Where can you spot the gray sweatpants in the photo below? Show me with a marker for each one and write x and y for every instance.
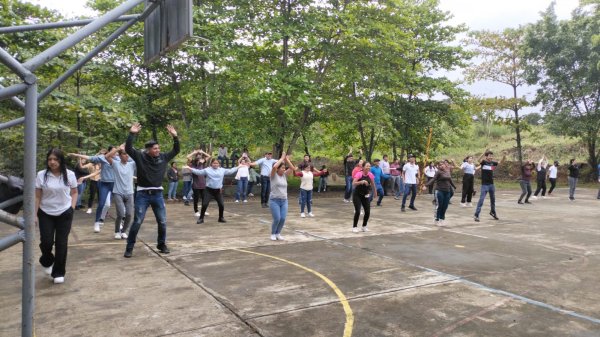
(572, 185)
(124, 206)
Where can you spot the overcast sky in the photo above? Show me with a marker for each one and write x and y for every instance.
(476, 14)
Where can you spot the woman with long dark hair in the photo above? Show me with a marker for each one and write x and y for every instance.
(55, 200)
(443, 192)
(364, 184)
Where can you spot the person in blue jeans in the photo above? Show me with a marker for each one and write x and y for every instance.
(151, 167)
(349, 165)
(173, 175)
(379, 178)
(266, 165)
(278, 200)
(411, 174)
(487, 166)
(443, 192)
(105, 185)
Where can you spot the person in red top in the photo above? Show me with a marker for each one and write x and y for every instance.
(363, 183)
(525, 181)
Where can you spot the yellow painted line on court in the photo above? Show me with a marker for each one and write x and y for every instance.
(348, 326)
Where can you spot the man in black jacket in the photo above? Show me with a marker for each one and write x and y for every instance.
(151, 166)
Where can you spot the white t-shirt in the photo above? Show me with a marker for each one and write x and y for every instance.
(306, 181)
(385, 166)
(468, 168)
(410, 173)
(553, 172)
(56, 196)
(243, 172)
(430, 171)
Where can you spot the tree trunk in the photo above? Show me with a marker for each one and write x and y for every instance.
(278, 148)
(78, 93)
(593, 159)
(517, 127)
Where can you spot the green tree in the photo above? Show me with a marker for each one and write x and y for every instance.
(564, 63)
(500, 59)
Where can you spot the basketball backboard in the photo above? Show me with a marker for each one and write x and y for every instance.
(166, 28)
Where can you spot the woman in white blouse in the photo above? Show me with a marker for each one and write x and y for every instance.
(55, 200)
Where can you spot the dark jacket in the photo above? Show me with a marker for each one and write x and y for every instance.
(150, 170)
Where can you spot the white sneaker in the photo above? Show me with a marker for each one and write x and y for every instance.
(354, 229)
(534, 197)
(117, 236)
(89, 211)
(310, 214)
(365, 229)
(197, 214)
(250, 194)
(124, 235)
(543, 197)
(58, 280)
(279, 237)
(206, 213)
(273, 237)
(245, 200)
(96, 227)
(346, 200)
(237, 201)
(470, 204)
(302, 215)
(462, 204)
(436, 222)
(362, 211)
(48, 270)
(442, 223)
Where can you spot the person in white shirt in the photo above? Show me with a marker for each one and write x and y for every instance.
(384, 164)
(410, 175)
(552, 176)
(430, 171)
(242, 179)
(468, 168)
(55, 200)
(266, 166)
(306, 188)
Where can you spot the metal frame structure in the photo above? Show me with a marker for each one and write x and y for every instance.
(29, 87)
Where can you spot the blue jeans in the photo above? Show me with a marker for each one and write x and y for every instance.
(398, 185)
(380, 193)
(412, 190)
(442, 200)
(187, 188)
(305, 200)
(279, 209)
(222, 160)
(154, 199)
(485, 189)
(242, 184)
(172, 189)
(348, 191)
(322, 184)
(80, 190)
(104, 189)
(265, 189)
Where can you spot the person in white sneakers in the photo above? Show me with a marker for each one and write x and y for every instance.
(363, 183)
(242, 176)
(278, 198)
(443, 191)
(124, 169)
(306, 188)
(410, 175)
(55, 201)
(198, 159)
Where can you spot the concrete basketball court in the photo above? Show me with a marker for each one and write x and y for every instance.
(532, 273)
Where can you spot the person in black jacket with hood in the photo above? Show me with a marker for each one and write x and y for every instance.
(151, 166)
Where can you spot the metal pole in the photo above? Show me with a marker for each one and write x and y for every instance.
(50, 53)
(10, 219)
(11, 240)
(16, 67)
(95, 51)
(29, 170)
(11, 202)
(52, 25)
(12, 123)
(16, 100)
(12, 91)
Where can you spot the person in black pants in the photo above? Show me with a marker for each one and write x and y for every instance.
(541, 177)
(468, 184)
(364, 184)
(55, 201)
(552, 176)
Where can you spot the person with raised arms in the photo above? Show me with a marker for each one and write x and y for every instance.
(364, 185)
(278, 201)
(214, 185)
(487, 166)
(151, 167)
(124, 169)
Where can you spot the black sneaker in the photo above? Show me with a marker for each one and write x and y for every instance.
(265, 206)
(403, 209)
(200, 220)
(494, 216)
(128, 253)
(413, 208)
(476, 219)
(222, 220)
(520, 202)
(527, 202)
(163, 249)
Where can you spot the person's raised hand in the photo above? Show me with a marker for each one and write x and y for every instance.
(172, 130)
(135, 128)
